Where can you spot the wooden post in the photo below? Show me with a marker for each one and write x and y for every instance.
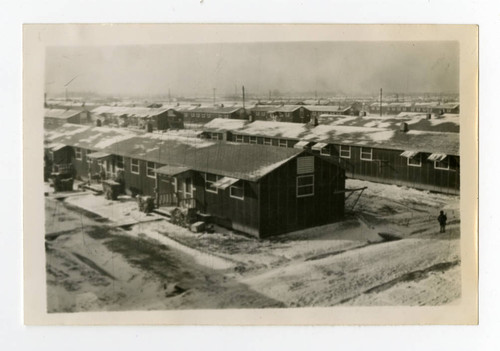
(380, 102)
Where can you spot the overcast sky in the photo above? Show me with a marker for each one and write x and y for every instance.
(194, 70)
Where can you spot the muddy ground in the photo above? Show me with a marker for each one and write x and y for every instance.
(94, 265)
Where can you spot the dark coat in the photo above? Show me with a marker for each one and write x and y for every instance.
(442, 219)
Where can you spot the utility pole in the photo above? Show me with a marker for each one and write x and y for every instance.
(380, 102)
(243, 90)
(169, 97)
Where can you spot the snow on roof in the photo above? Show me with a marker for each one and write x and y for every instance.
(411, 114)
(265, 169)
(417, 121)
(216, 109)
(224, 124)
(264, 108)
(403, 104)
(378, 104)
(60, 113)
(287, 108)
(328, 108)
(350, 134)
(67, 129)
(275, 129)
(87, 136)
(451, 105)
(388, 137)
(141, 112)
(242, 161)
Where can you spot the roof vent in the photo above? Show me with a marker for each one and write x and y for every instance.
(404, 127)
(428, 116)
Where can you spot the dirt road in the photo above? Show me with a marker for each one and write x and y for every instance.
(94, 267)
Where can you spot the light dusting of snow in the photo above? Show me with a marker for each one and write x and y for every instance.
(262, 171)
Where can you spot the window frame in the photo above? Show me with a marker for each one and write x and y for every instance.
(282, 140)
(132, 165)
(148, 168)
(297, 186)
(412, 158)
(328, 151)
(442, 168)
(361, 154)
(216, 191)
(238, 138)
(78, 150)
(242, 187)
(349, 151)
(252, 140)
(267, 141)
(117, 157)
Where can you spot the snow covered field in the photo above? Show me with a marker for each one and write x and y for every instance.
(93, 265)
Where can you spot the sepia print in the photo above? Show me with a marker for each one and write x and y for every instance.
(278, 174)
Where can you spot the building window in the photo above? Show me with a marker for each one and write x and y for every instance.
(444, 164)
(268, 141)
(282, 143)
(216, 136)
(210, 179)
(134, 166)
(325, 151)
(366, 153)
(150, 169)
(414, 161)
(119, 162)
(237, 191)
(345, 151)
(305, 185)
(305, 164)
(239, 138)
(253, 140)
(78, 153)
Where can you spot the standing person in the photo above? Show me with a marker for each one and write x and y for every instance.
(442, 222)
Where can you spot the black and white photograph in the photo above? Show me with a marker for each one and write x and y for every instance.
(252, 175)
